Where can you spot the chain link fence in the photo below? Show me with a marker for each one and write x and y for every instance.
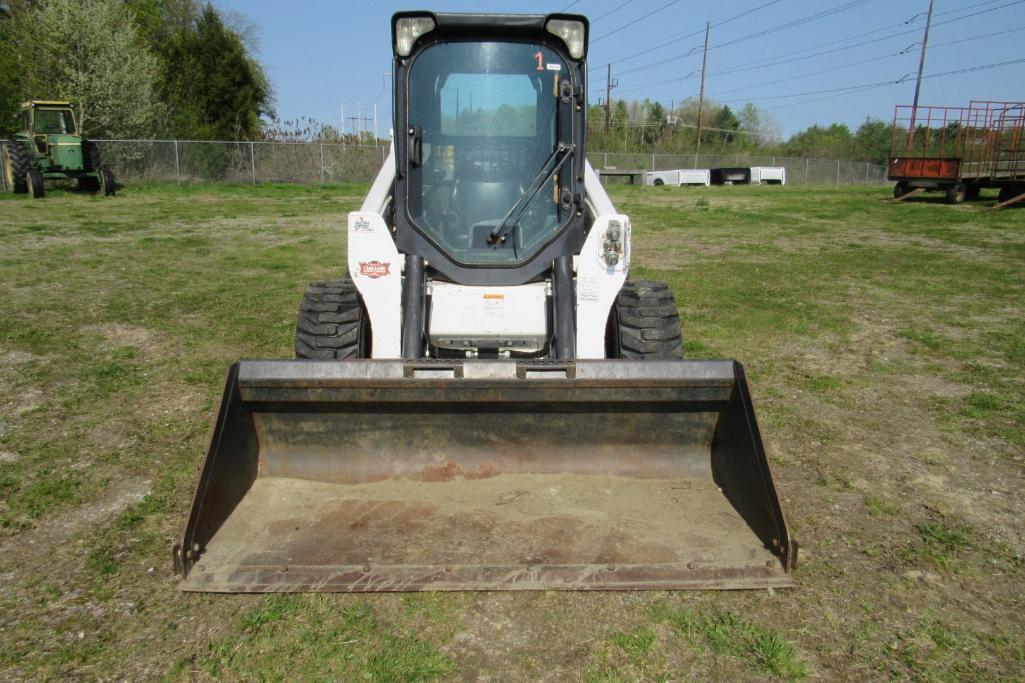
(190, 161)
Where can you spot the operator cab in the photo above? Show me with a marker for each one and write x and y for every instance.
(53, 121)
(489, 173)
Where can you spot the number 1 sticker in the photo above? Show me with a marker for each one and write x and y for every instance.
(540, 60)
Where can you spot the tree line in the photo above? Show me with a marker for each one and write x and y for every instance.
(651, 127)
(134, 68)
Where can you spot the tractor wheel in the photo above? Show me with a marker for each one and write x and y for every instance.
(34, 180)
(89, 184)
(107, 184)
(972, 192)
(900, 189)
(658, 181)
(333, 323)
(644, 323)
(16, 166)
(91, 155)
(956, 194)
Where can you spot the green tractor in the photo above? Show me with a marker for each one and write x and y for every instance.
(50, 147)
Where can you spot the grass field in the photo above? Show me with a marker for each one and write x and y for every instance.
(886, 351)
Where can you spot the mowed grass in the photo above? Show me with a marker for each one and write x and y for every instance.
(885, 347)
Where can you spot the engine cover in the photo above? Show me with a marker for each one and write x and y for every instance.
(502, 319)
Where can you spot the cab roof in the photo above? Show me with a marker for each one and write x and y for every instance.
(45, 103)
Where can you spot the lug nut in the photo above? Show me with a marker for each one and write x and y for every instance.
(614, 233)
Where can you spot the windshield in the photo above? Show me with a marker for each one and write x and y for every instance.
(486, 113)
(54, 121)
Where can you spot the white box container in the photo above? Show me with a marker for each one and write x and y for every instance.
(770, 175)
(678, 177)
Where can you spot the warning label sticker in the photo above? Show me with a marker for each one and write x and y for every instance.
(587, 289)
(494, 305)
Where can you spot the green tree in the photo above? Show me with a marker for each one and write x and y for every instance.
(872, 141)
(656, 123)
(834, 142)
(728, 123)
(92, 54)
(214, 89)
(10, 84)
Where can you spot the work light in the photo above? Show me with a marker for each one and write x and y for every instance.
(571, 32)
(407, 30)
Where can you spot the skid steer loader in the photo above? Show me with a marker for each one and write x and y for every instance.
(486, 401)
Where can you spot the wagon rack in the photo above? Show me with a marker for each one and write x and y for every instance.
(959, 151)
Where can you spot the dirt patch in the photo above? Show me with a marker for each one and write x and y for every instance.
(122, 493)
(121, 334)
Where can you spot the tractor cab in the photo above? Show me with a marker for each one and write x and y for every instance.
(52, 130)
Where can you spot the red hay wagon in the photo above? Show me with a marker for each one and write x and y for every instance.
(959, 150)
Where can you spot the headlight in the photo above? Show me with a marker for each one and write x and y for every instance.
(407, 30)
(571, 32)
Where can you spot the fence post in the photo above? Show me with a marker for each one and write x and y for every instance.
(695, 161)
(807, 169)
(3, 176)
(773, 161)
(652, 162)
(866, 173)
(177, 166)
(383, 155)
(322, 163)
(838, 173)
(252, 160)
(606, 165)
(736, 159)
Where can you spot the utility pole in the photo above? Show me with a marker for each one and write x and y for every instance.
(608, 93)
(701, 97)
(921, 67)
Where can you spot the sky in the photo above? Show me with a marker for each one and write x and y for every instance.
(817, 61)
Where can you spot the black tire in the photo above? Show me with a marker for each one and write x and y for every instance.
(972, 192)
(644, 323)
(19, 164)
(1009, 192)
(955, 194)
(91, 155)
(89, 184)
(658, 181)
(107, 184)
(900, 189)
(34, 178)
(333, 323)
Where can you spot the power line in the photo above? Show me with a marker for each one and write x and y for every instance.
(779, 60)
(631, 23)
(611, 11)
(883, 84)
(796, 22)
(848, 65)
(698, 32)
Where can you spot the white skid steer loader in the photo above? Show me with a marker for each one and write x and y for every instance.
(486, 401)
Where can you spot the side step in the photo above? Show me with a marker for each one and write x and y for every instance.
(381, 475)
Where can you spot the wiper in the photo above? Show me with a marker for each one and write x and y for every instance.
(555, 161)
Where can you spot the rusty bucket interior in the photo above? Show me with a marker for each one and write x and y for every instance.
(385, 475)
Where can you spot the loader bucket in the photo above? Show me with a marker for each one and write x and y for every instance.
(385, 475)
